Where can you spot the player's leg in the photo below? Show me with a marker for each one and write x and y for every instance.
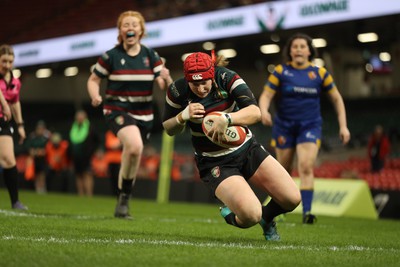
(273, 179)
(284, 142)
(10, 173)
(307, 154)
(285, 157)
(238, 196)
(79, 184)
(132, 148)
(88, 183)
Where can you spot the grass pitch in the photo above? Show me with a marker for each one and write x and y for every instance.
(66, 230)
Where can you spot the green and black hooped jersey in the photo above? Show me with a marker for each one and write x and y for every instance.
(130, 81)
(231, 95)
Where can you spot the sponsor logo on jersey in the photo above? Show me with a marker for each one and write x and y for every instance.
(309, 135)
(287, 73)
(305, 90)
(223, 75)
(174, 90)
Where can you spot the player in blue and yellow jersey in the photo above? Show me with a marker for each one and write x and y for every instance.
(209, 86)
(297, 124)
(131, 69)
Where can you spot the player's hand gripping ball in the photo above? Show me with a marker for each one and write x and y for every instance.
(235, 135)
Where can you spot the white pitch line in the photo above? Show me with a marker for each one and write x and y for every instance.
(270, 246)
(36, 215)
(87, 217)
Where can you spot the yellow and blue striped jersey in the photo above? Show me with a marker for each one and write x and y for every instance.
(299, 90)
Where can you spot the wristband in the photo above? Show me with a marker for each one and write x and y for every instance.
(20, 124)
(228, 118)
(185, 114)
(178, 121)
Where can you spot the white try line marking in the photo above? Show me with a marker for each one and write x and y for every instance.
(271, 245)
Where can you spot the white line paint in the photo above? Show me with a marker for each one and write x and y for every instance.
(37, 215)
(87, 217)
(270, 246)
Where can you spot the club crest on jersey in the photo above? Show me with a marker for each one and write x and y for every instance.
(146, 61)
(312, 75)
(119, 120)
(220, 94)
(122, 61)
(215, 172)
(281, 140)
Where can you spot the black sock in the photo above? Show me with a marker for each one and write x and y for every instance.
(11, 182)
(127, 185)
(271, 210)
(231, 219)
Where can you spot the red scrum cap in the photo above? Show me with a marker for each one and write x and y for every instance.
(198, 67)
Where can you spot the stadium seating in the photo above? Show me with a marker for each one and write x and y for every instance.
(359, 168)
(43, 19)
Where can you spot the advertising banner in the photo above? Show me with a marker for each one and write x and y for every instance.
(342, 198)
(239, 21)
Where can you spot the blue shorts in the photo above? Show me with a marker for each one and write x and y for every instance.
(287, 134)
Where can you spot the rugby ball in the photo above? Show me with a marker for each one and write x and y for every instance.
(235, 135)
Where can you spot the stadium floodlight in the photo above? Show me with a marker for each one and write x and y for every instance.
(71, 71)
(319, 62)
(367, 37)
(369, 68)
(275, 38)
(208, 46)
(43, 73)
(319, 42)
(184, 56)
(228, 53)
(271, 68)
(385, 56)
(16, 73)
(270, 49)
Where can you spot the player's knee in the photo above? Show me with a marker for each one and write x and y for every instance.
(293, 201)
(7, 162)
(134, 150)
(306, 168)
(250, 216)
